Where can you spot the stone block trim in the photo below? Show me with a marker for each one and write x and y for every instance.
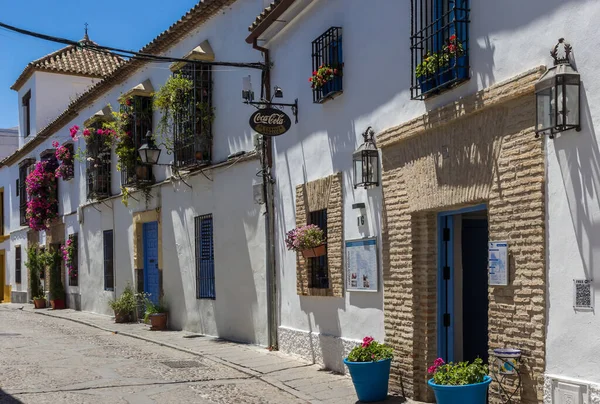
(325, 193)
(486, 153)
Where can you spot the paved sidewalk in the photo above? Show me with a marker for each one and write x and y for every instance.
(303, 380)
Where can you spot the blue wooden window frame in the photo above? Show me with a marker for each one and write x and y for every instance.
(205, 257)
(109, 270)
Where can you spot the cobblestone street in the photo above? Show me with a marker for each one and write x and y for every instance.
(45, 359)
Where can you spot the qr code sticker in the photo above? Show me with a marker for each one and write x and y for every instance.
(582, 293)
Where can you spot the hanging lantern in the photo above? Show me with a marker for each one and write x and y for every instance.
(366, 162)
(149, 153)
(558, 94)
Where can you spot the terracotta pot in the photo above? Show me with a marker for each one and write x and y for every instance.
(318, 251)
(39, 303)
(121, 317)
(141, 172)
(158, 321)
(57, 304)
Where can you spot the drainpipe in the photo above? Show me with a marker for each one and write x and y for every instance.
(268, 181)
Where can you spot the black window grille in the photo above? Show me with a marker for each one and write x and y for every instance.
(25, 168)
(70, 174)
(439, 45)
(319, 271)
(205, 257)
(327, 52)
(18, 264)
(74, 270)
(26, 102)
(140, 122)
(49, 156)
(98, 153)
(109, 274)
(192, 131)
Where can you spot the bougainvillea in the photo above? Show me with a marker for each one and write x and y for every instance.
(63, 154)
(42, 205)
(68, 250)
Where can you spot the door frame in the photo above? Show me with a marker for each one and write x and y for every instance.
(445, 287)
(145, 261)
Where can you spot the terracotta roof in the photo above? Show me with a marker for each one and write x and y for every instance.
(268, 16)
(74, 61)
(201, 12)
(268, 10)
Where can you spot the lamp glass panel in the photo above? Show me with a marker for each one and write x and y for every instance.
(572, 93)
(358, 168)
(545, 114)
(374, 166)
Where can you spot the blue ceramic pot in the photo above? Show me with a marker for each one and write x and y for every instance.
(370, 379)
(466, 394)
(426, 83)
(457, 69)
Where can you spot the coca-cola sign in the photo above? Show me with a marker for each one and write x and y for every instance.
(270, 122)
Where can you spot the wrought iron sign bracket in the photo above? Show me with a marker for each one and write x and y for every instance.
(269, 104)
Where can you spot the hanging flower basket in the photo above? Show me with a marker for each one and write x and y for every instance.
(318, 251)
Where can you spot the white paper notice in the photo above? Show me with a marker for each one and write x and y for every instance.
(498, 262)
(361, 265)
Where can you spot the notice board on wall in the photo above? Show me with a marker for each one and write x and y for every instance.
(362, 268)
(498, 263)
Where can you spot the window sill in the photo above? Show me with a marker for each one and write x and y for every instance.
(329, 96)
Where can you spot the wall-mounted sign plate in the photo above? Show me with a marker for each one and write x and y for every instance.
(362, 268)
(498, 263)
(270, 122)
(583, 294)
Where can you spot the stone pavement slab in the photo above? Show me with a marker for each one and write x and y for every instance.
(302, 379)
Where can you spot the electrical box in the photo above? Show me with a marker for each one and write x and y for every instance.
(569, 393)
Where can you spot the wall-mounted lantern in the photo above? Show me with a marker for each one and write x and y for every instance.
(149, 152)
(558, 94)
(366, 162)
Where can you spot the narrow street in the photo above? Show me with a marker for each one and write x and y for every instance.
(48, 360)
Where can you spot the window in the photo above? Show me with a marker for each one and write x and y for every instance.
(25, 168)
(327, 51)
(439, 45)
(67, 166)
(2, 212)
(26, 102)
(98, 153)
(50, 156)
(74, 268)
(192, 132)
(140, 122)
(109, 274)
(205, 259)
(319, 274)
(18, 264)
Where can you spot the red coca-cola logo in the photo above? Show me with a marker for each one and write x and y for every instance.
(270, 122)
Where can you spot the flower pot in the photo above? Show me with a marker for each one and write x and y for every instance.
(456, 69)
(466, 394)
(39, 303)
(121, 317)
(158, 321)
(426, 83)
(57, 304)
(370, 379)
(141, 172)
(315, 252)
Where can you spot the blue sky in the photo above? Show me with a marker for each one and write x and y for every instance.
(126, 24)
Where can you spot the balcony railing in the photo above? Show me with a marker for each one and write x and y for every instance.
(327, 51)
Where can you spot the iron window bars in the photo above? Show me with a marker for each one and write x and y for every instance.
(25, 168)
(98, 153)
(327, 51)
(71, 148)
(192, 131)
(439, 45)
(74, 274)
(319, 271)
(205, 257)
(18, 264)
(109, 273)
(140, 122)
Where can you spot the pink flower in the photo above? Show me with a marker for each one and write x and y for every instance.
(55, 144)
(367, 341)
(86, 132)
(432, 369)
(438, 362)
(100, 131)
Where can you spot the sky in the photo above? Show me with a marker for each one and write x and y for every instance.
(125, 24)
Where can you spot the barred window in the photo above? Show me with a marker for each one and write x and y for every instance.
(25, 168)
(18, 264)
(327, 54)
(140, 122)
(109, 273)
(319, 271)
(205, 257)
(98, 160)
(74, 269)
(192, 131)
(439, 45)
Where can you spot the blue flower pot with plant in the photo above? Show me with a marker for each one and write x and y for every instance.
(369, 366)
(426, 72)
(465, 383)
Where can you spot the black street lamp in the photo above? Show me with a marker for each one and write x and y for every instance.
(149, 152)
(558, 94)
(366, 162)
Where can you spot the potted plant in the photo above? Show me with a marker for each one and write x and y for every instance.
(369, 366)
(453, 60)
(426, 71)
(35, 264)
(39, 302)
(124, 305)
(57, 290)
(463, 382)
(156, 314)
(309, 240)
(323, 79)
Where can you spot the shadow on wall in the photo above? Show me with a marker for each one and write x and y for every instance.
(579, 160)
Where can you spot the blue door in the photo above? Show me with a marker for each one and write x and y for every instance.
(151, 275)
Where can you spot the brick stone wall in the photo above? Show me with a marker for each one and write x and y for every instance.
(325, 193)
(480, 149)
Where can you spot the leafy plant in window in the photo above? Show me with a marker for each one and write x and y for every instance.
(66, 166)
(429, 65)
(69, 253)
(309, 240)
(323, 75)
(42, 205)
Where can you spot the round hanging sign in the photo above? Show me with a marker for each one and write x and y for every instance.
(270, 122)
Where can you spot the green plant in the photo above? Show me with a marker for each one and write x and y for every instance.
(429, 65)
(370, 351)
(35, 265)
(458, 374)
(126, 303)
(323, 75)
(57, 290)
(39, 297)
(304, 237)
(172, 100)
(152, 308)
